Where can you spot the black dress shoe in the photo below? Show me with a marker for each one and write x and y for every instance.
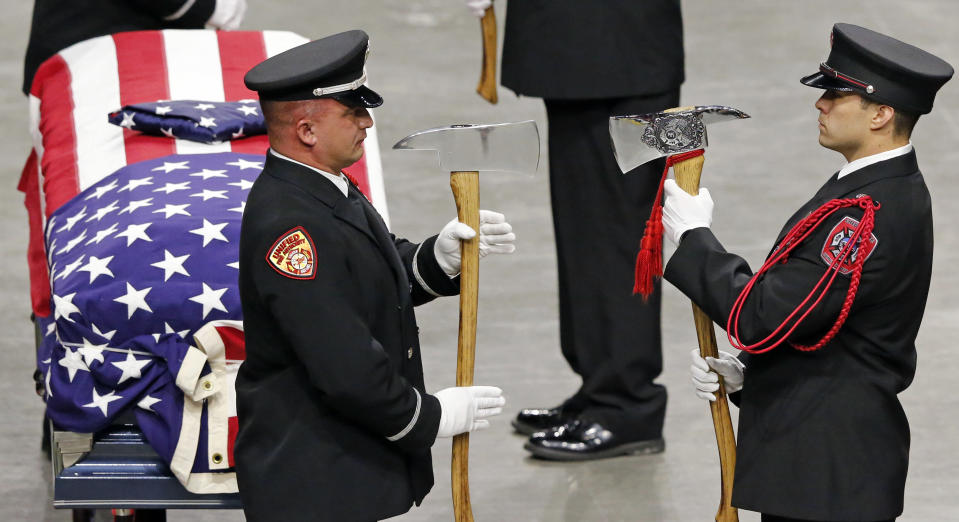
(585, 440)
(531, 420)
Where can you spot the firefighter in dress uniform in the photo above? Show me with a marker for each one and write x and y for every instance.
(334, 419)
(828, 324)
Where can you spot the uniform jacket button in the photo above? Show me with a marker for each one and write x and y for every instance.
(409, 353)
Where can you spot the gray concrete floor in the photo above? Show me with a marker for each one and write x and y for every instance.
(425, 61)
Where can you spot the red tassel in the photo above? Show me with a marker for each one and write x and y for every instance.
(649, 261)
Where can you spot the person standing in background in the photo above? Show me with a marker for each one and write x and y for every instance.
(589, 62)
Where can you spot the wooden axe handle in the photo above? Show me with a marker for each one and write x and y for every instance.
(688, 173)
(465, 187)
(487, 81)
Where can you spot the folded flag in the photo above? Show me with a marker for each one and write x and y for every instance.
(201, 121)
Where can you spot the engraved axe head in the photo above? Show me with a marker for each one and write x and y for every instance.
(512, 147)
(642, 138)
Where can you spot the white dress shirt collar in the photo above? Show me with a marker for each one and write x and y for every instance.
(338, 180)
(853, 166)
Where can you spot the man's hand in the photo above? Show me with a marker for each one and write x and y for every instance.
(706, 380)
(496, 237)
(465, 408)
(478, 7)
(683, 212)
(227, 14)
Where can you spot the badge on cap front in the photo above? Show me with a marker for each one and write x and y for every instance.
(293, 255)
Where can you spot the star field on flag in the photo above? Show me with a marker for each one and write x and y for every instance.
(145, 261)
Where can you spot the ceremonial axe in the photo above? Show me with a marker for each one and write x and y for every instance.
(464, 151)
(639, 139)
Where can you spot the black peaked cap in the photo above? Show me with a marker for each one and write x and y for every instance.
(311, 70)
(881, 69)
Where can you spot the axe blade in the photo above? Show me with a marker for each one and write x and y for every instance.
(510, 147)
(638, 139)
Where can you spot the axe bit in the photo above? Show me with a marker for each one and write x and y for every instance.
(643, 138)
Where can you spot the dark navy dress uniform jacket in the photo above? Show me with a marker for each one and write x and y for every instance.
(822, 435)
(334, 421)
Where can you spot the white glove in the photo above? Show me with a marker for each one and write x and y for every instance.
(478, 7)
(683, 212)
(496, 237)
(465, 408)
(705, 379)
(227, 15)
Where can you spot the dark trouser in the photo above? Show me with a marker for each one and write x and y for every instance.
(609, 336)
(774, 518)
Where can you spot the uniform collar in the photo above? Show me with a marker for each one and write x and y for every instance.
(853, 166)
(849, 186)
(303, 177)
(338, 180)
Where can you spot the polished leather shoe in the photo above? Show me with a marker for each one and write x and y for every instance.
(586, 440)
(531, 420)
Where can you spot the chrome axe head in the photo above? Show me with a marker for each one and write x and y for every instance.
(512, 147)
(638, 139)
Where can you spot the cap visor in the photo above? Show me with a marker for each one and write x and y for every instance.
(362, 96)
(821, 81)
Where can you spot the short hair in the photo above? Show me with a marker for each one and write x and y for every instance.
(902, 121)
(279, 114)
(275, 113)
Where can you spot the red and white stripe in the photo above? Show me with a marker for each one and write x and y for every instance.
(74, 90)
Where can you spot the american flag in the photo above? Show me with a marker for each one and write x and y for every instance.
(194, 120)
(139, 262)
(75, 147)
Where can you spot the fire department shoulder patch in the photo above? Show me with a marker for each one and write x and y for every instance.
(293, 255)
(839, 237)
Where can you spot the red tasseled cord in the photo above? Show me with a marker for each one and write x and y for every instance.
(799, 233)
(649, 261)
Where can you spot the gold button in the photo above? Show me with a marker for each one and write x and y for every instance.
(409, 353)
(217, 458)
(207, 385)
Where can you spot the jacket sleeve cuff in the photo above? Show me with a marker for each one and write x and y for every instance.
(684, 267)
(428, 274)
(420, 433)
(192, 13)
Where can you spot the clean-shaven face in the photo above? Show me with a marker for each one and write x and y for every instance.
(341, 131)
(843, 122)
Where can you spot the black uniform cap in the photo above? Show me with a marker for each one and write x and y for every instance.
(331, 67)
(881, 69)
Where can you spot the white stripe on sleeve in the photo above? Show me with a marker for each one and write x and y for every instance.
(416, 417)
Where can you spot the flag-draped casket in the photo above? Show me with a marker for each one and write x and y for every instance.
(133, 237)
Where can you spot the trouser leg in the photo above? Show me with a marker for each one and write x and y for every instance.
(610, 337)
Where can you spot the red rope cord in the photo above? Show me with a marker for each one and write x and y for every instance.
(799, 233)
(649, 260)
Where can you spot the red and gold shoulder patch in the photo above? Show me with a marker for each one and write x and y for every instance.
(293, 255)
(838, 237)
